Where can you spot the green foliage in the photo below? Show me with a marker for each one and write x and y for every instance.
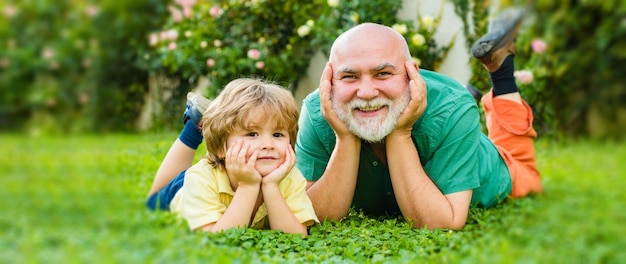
(578, 86)
(80, 199)
(68, 66)
(273, 39)
(475, 17)
(71, 66)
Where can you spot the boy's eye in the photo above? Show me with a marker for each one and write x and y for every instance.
(252, 134)
(277, 134)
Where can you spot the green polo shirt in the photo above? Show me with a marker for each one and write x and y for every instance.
(454, 152)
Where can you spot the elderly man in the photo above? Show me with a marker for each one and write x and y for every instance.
(388, 138)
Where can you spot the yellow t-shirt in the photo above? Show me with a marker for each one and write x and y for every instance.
(206, 193)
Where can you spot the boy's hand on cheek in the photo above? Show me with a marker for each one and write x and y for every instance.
(239, 168)
(281, 171)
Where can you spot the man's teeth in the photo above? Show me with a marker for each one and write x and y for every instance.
(369, 108)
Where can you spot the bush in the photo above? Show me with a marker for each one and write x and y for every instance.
(273, 39)
(574, 52)
(87, 66)
(69, 66)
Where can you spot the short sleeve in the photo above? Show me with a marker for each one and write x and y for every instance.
(315, 140)
(454, 165)
(294, 191)
(200, 200)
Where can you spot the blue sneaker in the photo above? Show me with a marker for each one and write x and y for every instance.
(196, 105)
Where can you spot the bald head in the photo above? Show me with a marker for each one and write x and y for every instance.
(369, 35)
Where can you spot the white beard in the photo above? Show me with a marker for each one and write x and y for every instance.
(372, 129)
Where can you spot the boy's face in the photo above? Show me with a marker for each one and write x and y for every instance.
(262, 134)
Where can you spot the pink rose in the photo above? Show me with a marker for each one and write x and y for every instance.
(259, 65)
(254, 54)
(92, 10)
(172, 34)
(172, 46)
(9, 11)
(177, 15)
(215, 11)
(154, 39)
(210, 62)
(47, 53)
(538, 46)
(186, 3)
(524, 76)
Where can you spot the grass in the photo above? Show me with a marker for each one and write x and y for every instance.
(80, 200)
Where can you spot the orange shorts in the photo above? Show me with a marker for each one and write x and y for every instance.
(510, 127)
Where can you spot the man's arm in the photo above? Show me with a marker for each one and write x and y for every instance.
(332, 194)
(419, 199)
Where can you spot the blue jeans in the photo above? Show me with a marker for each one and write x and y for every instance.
(161, 199)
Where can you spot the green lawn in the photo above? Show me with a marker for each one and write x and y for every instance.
(80, 200)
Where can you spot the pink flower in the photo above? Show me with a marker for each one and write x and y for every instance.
(172, 34)
(538, 46)
(92, 10)
(47, 53)
(172, 46)
(210, 62)
(259, 65)
(9, 11)
(215, 11)
(186, 3)
(177, 15)
(154, 39)
(187, 11)
(524, 76)
(254, 54)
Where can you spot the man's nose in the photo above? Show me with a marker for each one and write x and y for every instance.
(367, 89)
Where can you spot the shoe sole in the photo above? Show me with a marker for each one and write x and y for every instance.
(493, 40)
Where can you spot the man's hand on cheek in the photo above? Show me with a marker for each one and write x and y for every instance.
(326, 103)
(418, 102)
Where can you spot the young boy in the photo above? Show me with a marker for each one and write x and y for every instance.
(248, 176)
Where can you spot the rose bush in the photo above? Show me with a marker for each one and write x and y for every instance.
(223, 40)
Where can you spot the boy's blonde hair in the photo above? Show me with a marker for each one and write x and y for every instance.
(231, 109)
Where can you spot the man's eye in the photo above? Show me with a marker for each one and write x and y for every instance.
(348, 77)
(383, 74)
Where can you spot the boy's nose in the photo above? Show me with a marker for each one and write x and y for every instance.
(267, 143)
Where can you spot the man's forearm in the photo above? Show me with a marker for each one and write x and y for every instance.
(332, 194)
(419, 199)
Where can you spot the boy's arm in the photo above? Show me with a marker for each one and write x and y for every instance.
(280, 215)
(239, 212)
